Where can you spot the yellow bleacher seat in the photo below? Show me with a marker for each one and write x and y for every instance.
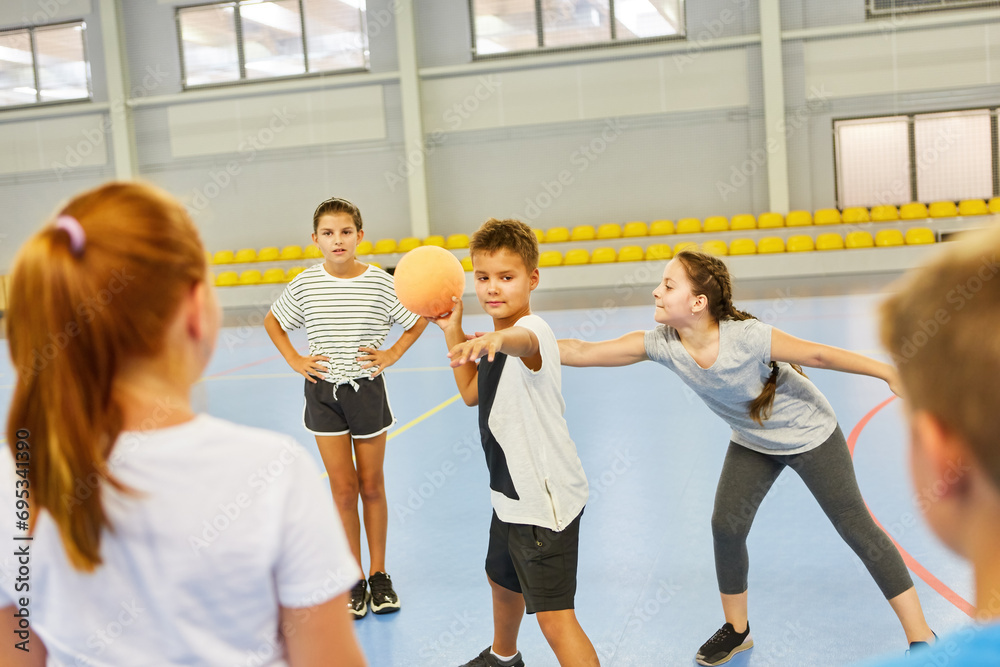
(557, 235)
(250, 277)
(268, 254)
(658, 251)
(994, 205)
(799, 219)
(770, 245)
(972, 207)
(223, 257)
(942, 209)
(609, 230)
(742, 247)
(313, 252)
(603, 256)
(688, 226)
(716, 223)
(919, 236)
(365, 248)
(855, 214)
(583, 233)
(715, 247)
(576, 256)
(408, 244)
(540, 235)
(829, 242)
(630, 253)
(800, 243)
(884, 213)
(294, 271)
(467, 263)
(227, 279)
(434, 239)
(375, 264)
(291, 252)
(770, 221)
(457, 242)
(272, 276)
(384, 247)
(661, 227)
(888, 237)
(743, 221)
(635, 228)
(913, 211)
(244, 255)
(550, 258)
(827, 216)
(685, 245)
(859, 240)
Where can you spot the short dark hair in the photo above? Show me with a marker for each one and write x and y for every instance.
(337, 205)
(512, 235)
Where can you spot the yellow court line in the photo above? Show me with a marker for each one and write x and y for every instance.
(416, 421)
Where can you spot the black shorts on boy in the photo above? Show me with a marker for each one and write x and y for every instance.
(539, 563)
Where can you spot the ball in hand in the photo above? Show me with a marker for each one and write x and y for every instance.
(427, 278)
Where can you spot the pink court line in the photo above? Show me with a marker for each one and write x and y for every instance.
(239, 368)
(911, 562)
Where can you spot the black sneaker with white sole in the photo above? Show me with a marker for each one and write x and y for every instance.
(384, 599)
(487, 659)
(723, 645)
(358, 606)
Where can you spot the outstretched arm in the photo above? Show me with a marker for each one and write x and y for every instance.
(792, 350)
(629, 349)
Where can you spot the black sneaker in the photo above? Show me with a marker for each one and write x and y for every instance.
(723, 645)
(358, 606)
(487, 659)
(384, 599)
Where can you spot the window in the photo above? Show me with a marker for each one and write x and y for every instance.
(255, 39)
(889, 7)
(512, 26)
(918, 157)
(44, 64)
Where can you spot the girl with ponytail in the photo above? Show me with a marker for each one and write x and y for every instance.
(133, 509)
(749, 373)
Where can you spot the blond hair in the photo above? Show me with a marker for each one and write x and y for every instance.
(943, 331)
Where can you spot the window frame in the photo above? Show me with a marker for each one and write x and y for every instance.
(241, 58)
(994, 113)
(30, 29)
(871, 12)
(540, 36)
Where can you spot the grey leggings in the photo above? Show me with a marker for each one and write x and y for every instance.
(828, 472)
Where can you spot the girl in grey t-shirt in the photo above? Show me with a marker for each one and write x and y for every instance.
(749, 374)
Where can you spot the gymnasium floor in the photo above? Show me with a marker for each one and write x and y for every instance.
(652, 451)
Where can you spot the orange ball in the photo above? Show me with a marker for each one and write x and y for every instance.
(427, 278)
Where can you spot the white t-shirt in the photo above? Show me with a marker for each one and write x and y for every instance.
(342, 314)
(230, 522)
(536, 477)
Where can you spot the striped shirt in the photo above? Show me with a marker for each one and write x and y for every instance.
(341, 315)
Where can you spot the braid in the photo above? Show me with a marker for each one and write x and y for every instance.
(710, 277)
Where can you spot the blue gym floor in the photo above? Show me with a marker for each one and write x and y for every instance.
(652, 451)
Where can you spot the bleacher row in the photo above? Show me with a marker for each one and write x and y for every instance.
(636, 230)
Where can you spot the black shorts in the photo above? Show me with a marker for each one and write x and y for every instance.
(341, 409)
(537, 562)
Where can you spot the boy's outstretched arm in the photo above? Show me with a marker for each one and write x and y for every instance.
(792, 350)
(629, 349)
(466, 375)
(385, 358)
(308, 367)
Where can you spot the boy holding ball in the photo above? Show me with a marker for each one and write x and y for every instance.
(538, 487)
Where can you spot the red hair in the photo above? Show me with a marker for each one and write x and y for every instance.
(73, 318)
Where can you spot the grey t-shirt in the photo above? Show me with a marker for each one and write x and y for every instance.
(801, 417)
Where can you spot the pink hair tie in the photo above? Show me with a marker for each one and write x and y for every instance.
(74, 229)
